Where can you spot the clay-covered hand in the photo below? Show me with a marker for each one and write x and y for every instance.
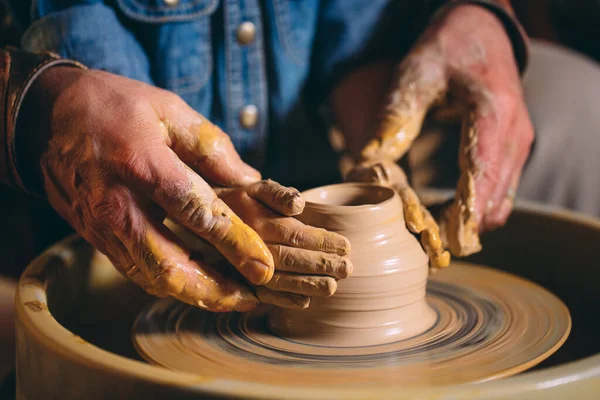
(466, 61)
(308, 260)
(121, 155)
(418, 219)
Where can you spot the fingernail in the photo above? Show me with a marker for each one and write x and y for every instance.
(342, 245)
(257, 272)
(301, 301)
(327, 287)
(296, 204)
(345, 268)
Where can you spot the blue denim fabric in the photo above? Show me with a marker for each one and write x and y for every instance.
(301, 48)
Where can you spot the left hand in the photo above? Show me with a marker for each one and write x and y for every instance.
(464, 60)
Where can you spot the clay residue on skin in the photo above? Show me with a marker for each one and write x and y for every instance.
(458, 225)
(291, 259)
(307, 260)
(243, 239)
(212, 219)
(203, 138)
(285, 200)
(418, 83)
(306, 285)
(192, 281)
(417, 217)
(36, 305)
(205, 147)
(282, 299)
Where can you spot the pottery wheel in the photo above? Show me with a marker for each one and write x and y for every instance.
(490, 324)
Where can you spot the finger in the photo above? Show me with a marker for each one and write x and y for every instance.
(382, 172)
(309, 262)
(417, 84)
(432, 243)
(502, 199)
(119, 256)
(284, 200)
(282, 299)
(276, 229)
(388, 173)
(459, 225)
(204, 146)
(291, 232)
(498, 216)
(167, 266)
(189, 200)
(412, 209)
(418, 218)
(302, 284)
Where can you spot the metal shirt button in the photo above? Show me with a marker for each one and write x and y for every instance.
(171, 3)
(246, 32)
(249, 116)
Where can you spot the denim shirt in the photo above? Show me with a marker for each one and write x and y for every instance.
(196, 48)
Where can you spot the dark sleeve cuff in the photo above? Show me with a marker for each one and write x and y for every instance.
(18, 70)
(514, 30)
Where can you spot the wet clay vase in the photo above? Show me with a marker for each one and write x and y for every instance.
(384, 299)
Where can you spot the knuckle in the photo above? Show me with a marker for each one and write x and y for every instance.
(109, 209)
(135, 110)
(296, 237)
(345, 267)
(135, 166)
(172, 100)
(285, 256)
(507, 103)
(325, 264)
(198, 214)
(528, 134)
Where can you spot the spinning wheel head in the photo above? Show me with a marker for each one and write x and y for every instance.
(489, 324)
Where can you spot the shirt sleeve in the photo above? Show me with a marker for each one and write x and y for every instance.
(351, 33)
(90, 33)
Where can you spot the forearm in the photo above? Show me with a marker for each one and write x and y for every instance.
(503, 10)
(19, 71)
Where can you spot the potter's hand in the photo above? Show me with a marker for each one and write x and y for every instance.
(308, 260)
(120, 155)
(417, 217)
(466, 59)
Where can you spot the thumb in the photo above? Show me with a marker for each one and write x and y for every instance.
(418, 82)
(204, 147)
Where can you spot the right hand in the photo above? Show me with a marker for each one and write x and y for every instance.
(118, 157)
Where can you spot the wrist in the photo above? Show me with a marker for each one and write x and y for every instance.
(503, 12)
(34, 122)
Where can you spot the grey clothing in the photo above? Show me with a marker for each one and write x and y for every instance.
(562, 90)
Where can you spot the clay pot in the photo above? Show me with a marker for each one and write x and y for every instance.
(384, 299)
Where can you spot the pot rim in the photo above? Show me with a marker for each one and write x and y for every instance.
(390, 197)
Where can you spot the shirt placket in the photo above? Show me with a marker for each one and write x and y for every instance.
(246, 103)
